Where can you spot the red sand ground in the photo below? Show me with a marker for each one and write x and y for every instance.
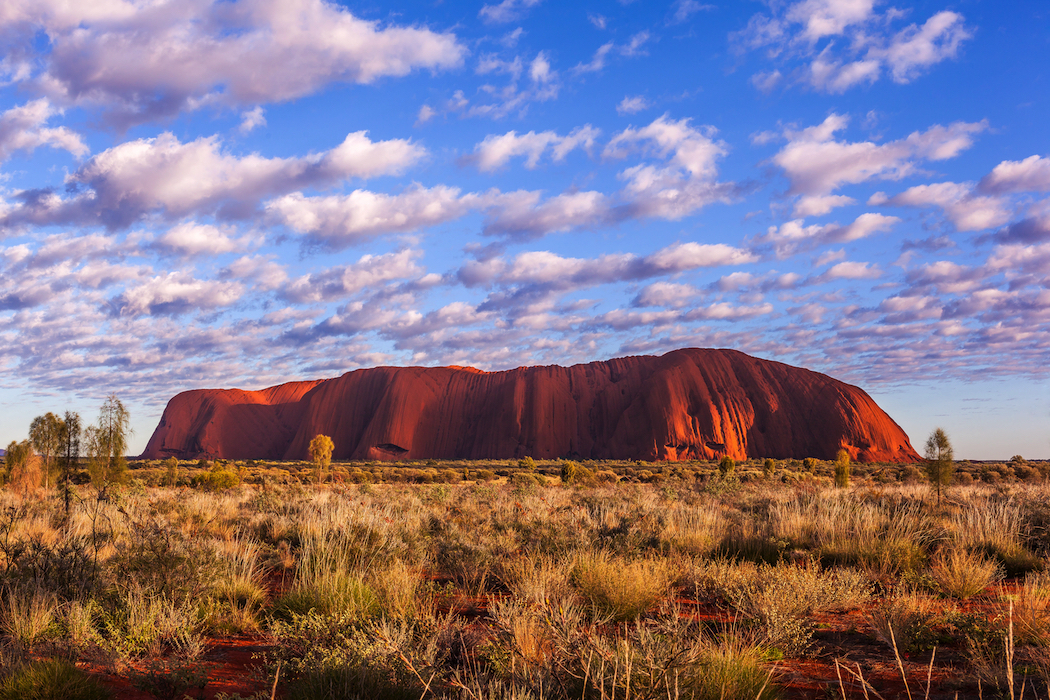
(232, 668)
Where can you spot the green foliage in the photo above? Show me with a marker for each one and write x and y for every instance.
(218, 478)
(18, 464)
(726, 467)
(939, 460)
(1018, 459)
(769, 467)
(810, 463)
(575, 473)
(321, 455)
(171, 471)
(527, 463)
(52, 679)
(45, 432)
(107, 444)
(842, 464)
(617, 589)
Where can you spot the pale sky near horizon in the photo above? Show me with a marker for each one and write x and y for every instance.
(241, 193)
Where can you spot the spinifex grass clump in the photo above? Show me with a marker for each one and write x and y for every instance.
(619, 589)
(51, 679)
(961, 574)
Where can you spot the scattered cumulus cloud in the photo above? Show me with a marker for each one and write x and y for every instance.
(138, 61)
(834, 45)
(632, 105)
(23, 129)
(506, 11)
(495, 151)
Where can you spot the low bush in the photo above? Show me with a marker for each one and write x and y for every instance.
(52, 679)
(961, 574)
(618, 589)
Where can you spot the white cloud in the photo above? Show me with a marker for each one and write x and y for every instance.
(261, 270)
(684, 9)
(540, 69)
(178, 179)
(547, 269)
(819, 205)
(506, 11)
(834, 45)
(367, 273)
(22, 129)
(1029, 175)
(852, 271)
(177, 293)
(337, 221)
(817, 163)
(495, 151)
(632, 105)
(766, 81)
(675, 188)
(668, 294)
(632, 48)
(251, 120)
(965, 209)
(190, 238)
(915, 48)
(143, 60)
(793, 236)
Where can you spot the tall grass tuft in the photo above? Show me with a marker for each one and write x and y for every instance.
(962, 575)
(53, 679)
(619, 589)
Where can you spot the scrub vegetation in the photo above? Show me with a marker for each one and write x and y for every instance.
(525, 579)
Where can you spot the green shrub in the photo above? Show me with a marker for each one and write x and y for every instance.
(810, 463)
(769, 467)
(618, 589)
(842, 469)
(961, 574)
(575, 473)
(52, 679)
(218, 478)
(726, 466)
(527, 463)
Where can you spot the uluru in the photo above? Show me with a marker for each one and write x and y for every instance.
(687, 404)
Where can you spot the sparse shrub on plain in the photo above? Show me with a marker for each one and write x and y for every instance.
(51, 679)
(528, 463)
(842, 468)
(320, 450)
(575, 473)
(940, 460)
(726, 467)
(961, 574)
(617, 589)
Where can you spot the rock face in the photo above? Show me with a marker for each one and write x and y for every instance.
(687, 404)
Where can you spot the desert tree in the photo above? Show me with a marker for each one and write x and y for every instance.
(726, 467)
(19, 463)
(940, 458)
(321, 454)
(842, 464)
(107, 444)
(45, 432)
(69, 455)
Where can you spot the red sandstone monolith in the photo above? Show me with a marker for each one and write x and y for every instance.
(688, 404)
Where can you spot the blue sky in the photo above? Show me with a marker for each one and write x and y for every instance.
(218, 194)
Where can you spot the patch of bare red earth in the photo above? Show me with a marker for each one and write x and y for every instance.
(230, 665)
